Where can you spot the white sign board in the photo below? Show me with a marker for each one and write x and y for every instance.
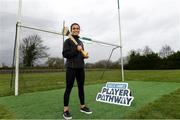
(115, 93)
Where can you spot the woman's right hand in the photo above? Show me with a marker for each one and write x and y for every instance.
(79, 48)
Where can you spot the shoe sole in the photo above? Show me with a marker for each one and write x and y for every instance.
(86, 112)
(69, 118)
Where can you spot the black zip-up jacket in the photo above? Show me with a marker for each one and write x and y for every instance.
(74, 58)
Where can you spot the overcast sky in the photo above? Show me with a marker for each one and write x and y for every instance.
(152, 23)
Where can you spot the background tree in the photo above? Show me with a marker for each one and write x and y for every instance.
(3, 65)
(173, 60)
(103, 64)
(32, 49)
(165, 51)
(149, 60)
(55, 62)
(90, 65)
(147, 50)
(133, 60)
(116, 64)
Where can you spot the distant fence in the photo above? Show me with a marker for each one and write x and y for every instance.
(8, 71)
(44, 70)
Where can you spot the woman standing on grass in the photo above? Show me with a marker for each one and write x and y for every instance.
(74, 70)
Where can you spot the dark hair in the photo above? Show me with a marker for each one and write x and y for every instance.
(74, 24)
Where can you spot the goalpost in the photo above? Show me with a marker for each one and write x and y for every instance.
(19, 25)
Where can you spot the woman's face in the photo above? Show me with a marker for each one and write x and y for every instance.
(75, 30)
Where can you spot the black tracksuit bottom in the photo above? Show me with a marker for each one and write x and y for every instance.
(71, 75)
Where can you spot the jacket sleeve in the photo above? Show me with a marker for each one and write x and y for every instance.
(68, 50)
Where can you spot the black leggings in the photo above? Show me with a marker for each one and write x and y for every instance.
(71, 74)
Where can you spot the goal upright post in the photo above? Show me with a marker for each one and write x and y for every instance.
(17, 49)
(120, 40)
